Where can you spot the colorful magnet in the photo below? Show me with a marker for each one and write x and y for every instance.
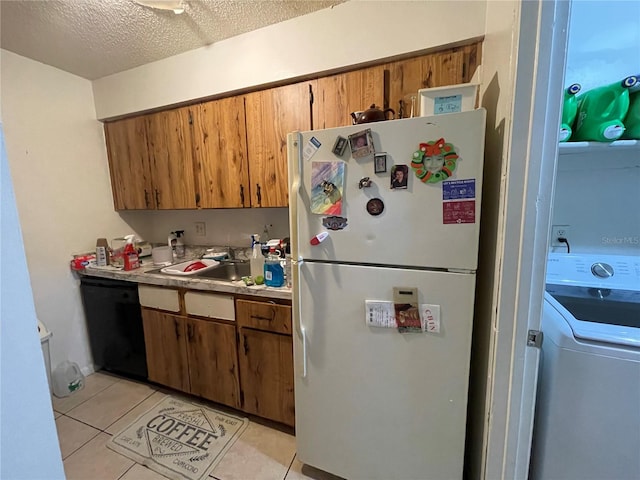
(361, 143)
(434, 161)
(319, 238)
(340, 146)
(334, 223)
(458, 189)
(399, 176)
(459, 212)
(365, 182)
(326, 187)
(375, 206)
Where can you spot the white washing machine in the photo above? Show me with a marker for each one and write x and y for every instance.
(587, 421)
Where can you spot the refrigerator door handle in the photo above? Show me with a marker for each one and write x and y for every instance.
(304, 352)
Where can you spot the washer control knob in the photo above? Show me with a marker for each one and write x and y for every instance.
(602, 270)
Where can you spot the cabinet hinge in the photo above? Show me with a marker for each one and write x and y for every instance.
(534, 338)
(311, 99)
(190, 118)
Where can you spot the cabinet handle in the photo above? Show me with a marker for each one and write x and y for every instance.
(258, 194)
(146, 198)
(242, 195)
(260, 317)
(157, 198)
(176, 328)
(190, 332)
(245, 344)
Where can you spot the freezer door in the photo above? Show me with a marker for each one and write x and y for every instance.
(426, 224)
(372, 403)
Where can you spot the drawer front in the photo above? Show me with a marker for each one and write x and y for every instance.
(264, 316)
(160, 298)
(210, 305)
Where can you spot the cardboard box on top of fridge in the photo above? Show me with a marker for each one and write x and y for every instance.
(449, 99)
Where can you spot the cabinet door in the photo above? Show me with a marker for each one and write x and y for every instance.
(171, 154)
(339, 95)
(213, 368)
(272, 114)
(165, 342)
(220, 146)
(266, 375)
(438, 69)
(129, 164)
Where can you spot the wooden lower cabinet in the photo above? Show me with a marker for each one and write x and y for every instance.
(165, 342)
(266, 373)
(213, 369)
(192, 355)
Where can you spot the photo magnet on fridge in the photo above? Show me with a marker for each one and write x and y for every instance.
(340, 146)
(361, 143)
(399, 177)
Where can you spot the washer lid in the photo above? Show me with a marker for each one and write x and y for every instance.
(597, 314)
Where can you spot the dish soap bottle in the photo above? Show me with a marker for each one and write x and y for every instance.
(131, 259)
(257, 259)
(273, 271)
(180, 249)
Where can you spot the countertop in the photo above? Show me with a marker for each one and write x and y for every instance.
(141, 275)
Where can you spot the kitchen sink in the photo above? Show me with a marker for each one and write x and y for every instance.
(228, 270)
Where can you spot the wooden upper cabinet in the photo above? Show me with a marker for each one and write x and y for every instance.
(271, 115)
(338, 96)
(171, 158)
(220, 148)
(438, 69)
(131, 181)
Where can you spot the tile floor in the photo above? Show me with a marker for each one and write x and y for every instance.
(87, 419)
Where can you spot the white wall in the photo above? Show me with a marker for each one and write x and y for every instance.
(598, 194)
(57, 157)
(28, 440)
(603, 42)
(347, 34)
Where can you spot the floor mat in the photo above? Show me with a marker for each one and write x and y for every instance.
(179, 439)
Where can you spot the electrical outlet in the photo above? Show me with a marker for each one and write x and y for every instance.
(201, 229)
(558, 231)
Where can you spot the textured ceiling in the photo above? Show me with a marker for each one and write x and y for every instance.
(95, 38)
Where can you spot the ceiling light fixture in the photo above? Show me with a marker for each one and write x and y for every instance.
(177, 6)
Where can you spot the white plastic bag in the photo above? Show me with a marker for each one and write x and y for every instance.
(67, 379)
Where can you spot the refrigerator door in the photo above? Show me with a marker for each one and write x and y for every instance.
(420, 225)
(372, 403)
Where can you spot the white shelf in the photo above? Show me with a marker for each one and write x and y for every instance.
(582, 147)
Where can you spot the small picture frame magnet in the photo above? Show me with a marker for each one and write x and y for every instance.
(340, 146)
(380, 162)
(361, 143)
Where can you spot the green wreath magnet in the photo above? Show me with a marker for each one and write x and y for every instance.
(434, 161)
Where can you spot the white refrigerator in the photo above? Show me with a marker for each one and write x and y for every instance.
(381, 394)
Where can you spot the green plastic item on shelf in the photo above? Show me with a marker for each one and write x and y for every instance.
(569, 111)
(632, 120)
(602, 110)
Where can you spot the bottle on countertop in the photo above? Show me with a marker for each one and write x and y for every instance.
(176, 243)
(131, 259)
(102, 252)
(257, 259)
(273, 271)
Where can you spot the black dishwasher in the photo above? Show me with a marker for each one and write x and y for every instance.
(114, 323)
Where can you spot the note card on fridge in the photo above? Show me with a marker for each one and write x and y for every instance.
(379, 313)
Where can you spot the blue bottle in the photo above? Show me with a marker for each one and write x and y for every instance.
(273, 271)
